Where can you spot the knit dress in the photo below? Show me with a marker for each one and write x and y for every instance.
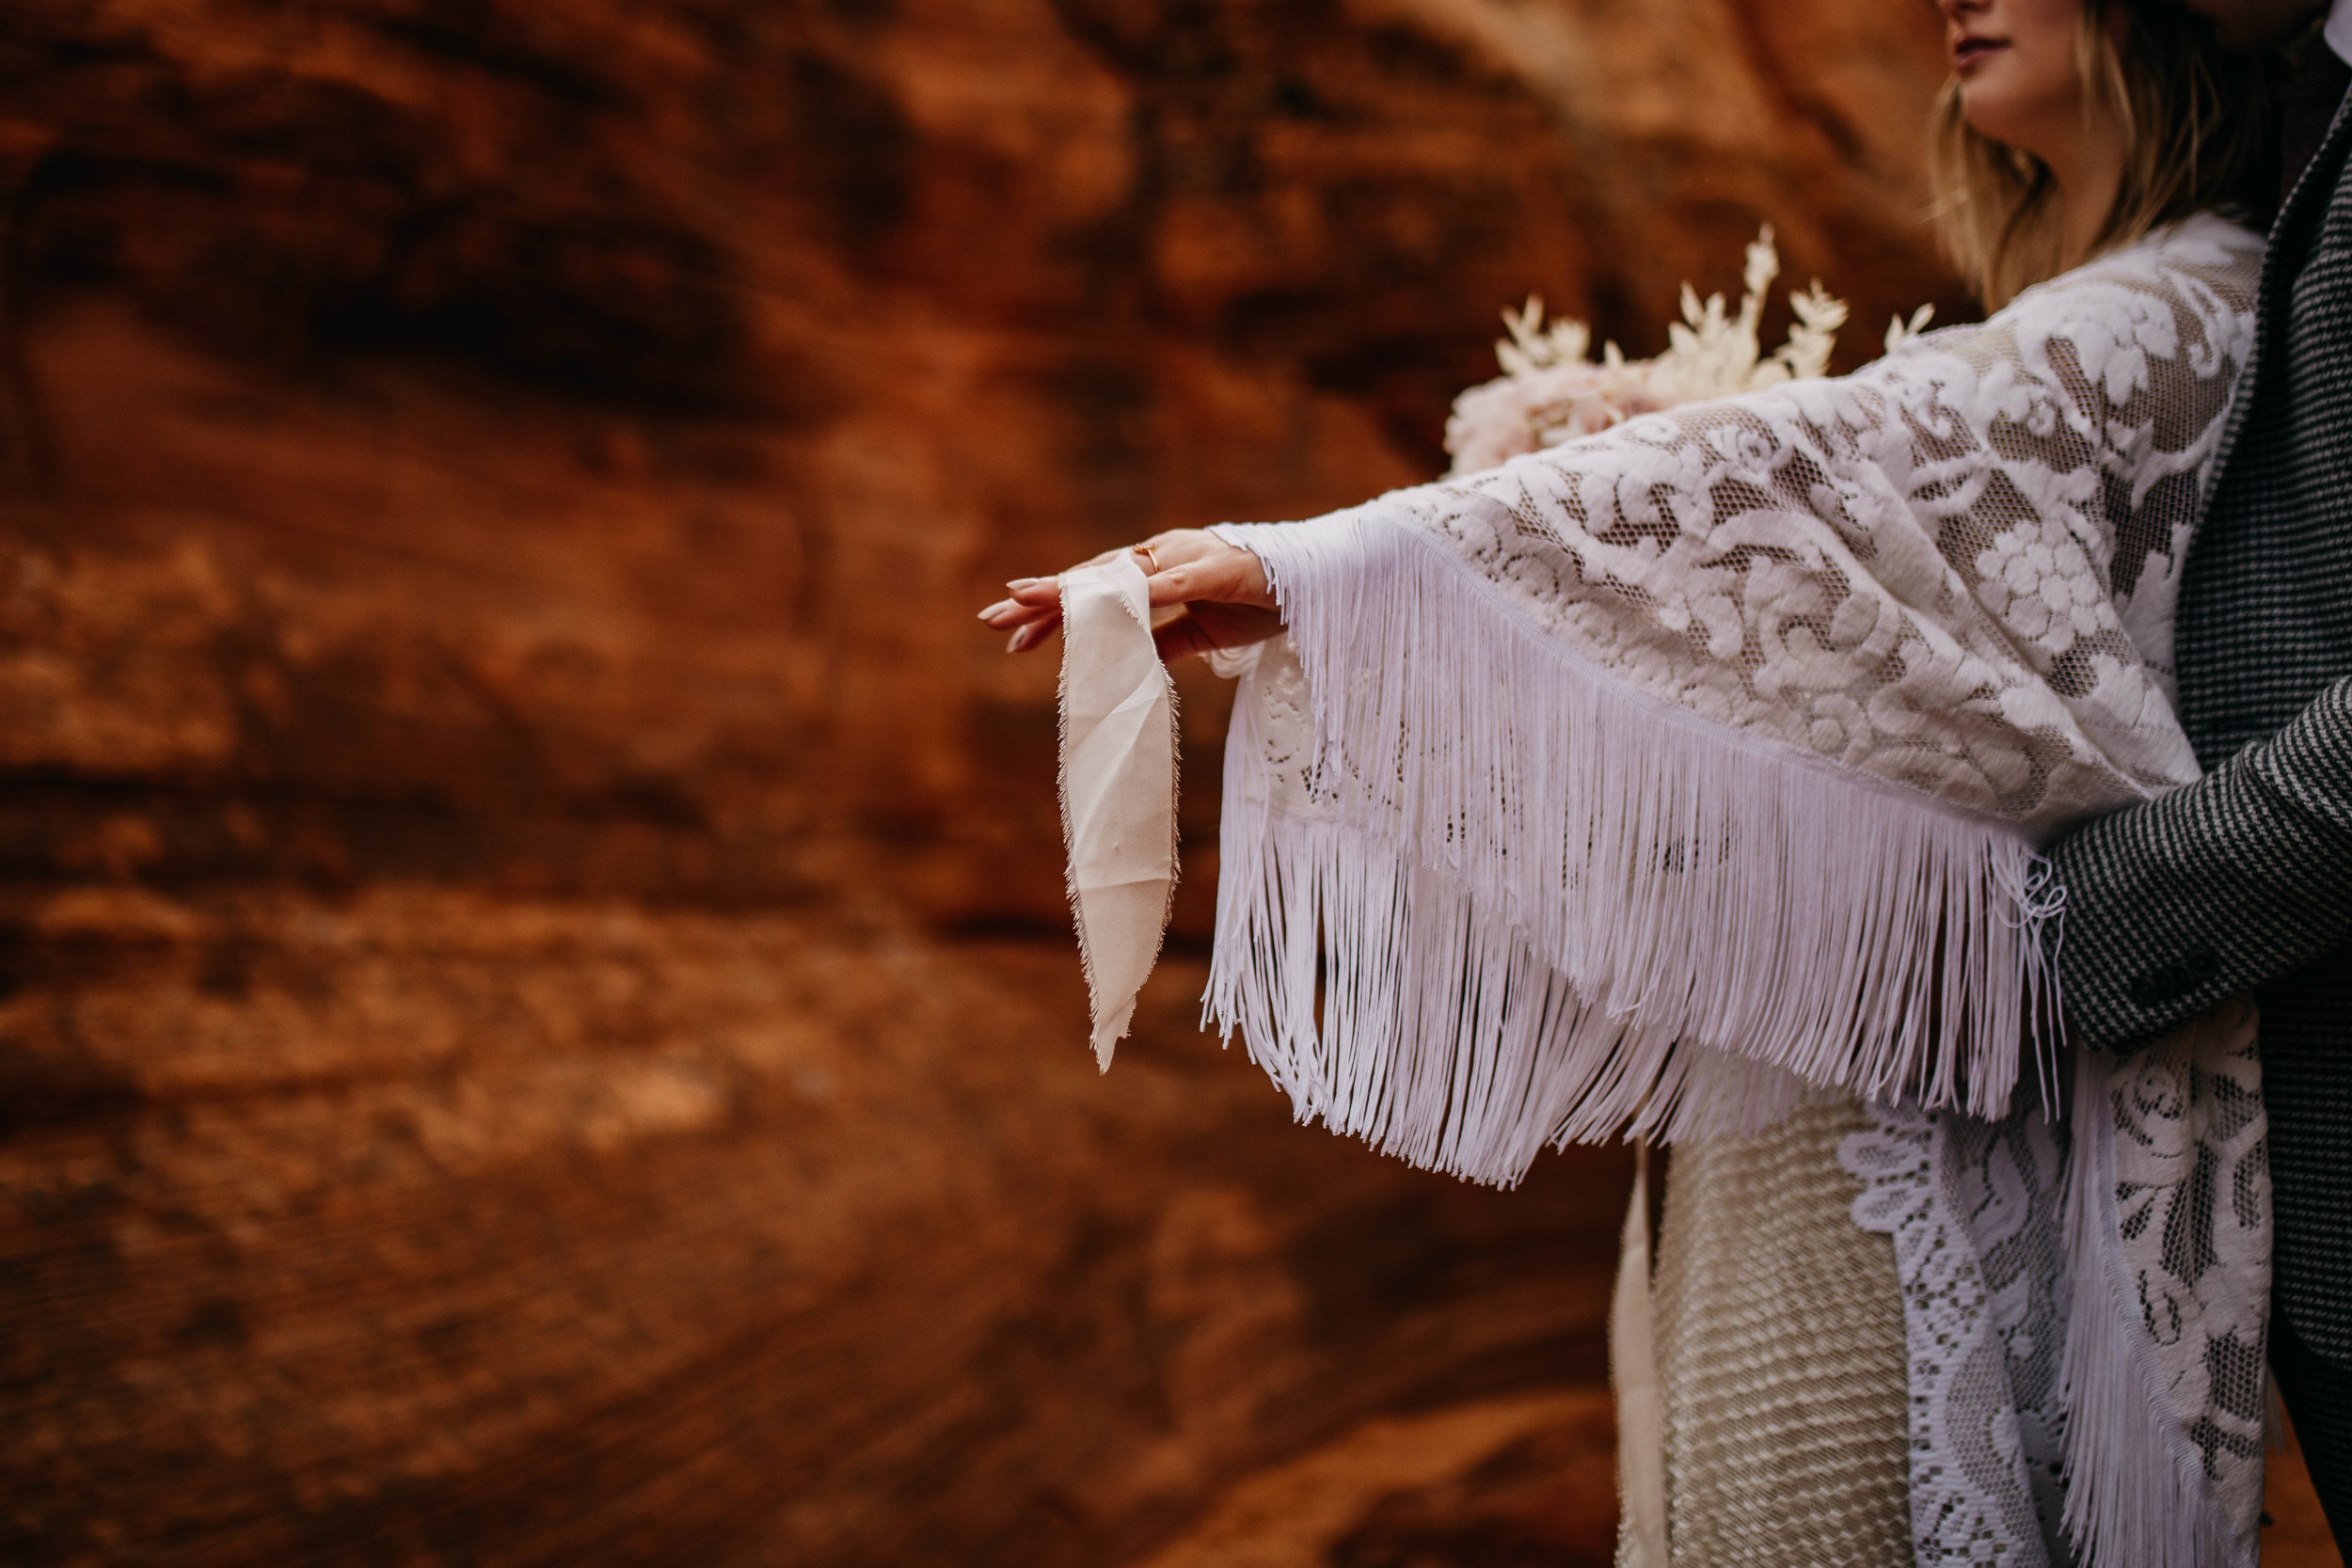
(1780, 1356)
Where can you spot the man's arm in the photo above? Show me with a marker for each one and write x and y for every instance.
(2214, 889)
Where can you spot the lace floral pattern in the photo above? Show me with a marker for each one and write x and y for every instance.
(1986, 524)
(2163, 1269)
(2177, 1138)
(1587, 792)
(2192, 1185)
(2004, 1180)
(1973, 1208)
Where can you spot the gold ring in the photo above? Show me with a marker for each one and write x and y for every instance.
(1149, 561)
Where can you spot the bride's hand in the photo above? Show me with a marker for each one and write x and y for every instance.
(1221, 586)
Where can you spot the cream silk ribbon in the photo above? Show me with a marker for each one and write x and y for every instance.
(1118, 786)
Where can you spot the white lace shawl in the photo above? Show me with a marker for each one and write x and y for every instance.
(1619, 788)
(1975, 1211)
(2086, 1326)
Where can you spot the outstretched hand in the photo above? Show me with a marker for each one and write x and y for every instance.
(1222, 588)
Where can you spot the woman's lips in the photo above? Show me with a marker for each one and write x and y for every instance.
(1967, 52)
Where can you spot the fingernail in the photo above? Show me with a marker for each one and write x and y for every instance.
(1012, 644)
(996, 610)
(1019, 583)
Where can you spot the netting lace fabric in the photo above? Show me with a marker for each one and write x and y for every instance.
(1973, 1208)
(2192, 1190)
(1954, 568)
(2168, 1235)
(2084, 1307)
(1657, 771)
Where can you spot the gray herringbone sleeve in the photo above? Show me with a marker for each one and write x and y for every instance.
(2213, 890)
(2244, 880)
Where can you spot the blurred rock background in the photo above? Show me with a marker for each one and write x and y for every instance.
(536, 1018)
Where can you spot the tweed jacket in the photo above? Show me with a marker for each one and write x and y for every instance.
(2244, 880)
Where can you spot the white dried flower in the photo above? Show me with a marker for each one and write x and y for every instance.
(1550, 392)
(1814, 334)
(1899, 332)
(1533, 348)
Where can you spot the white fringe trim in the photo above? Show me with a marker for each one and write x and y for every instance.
(2136, 1493)
(1531, 896)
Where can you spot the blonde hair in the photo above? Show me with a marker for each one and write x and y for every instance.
(2195, 124)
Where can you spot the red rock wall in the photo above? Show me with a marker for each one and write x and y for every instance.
(537, 1024)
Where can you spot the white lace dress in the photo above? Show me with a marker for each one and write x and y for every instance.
(1641, 783)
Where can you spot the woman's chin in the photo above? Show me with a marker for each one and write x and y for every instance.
(2003, 98)
(1992, 114)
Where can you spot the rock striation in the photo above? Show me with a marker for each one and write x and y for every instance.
(536, 1021)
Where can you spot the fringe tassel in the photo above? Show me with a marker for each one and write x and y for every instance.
(1445, 1039)
(1533, 904)
(2136, 1493)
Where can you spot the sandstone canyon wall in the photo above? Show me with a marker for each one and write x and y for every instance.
(536, 1020)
